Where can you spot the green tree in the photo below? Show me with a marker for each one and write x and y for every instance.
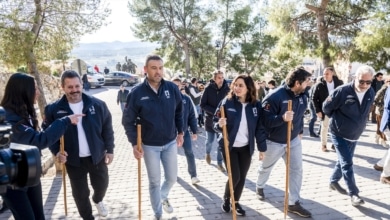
(254, 46)
(324, 28)
(39, 30)
(372, 44)
(172, 23)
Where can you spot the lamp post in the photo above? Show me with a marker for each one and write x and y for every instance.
(218, 47)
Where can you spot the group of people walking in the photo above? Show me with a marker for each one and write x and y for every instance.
(168, 119)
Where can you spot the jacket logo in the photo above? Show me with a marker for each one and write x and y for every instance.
(92, 110)
(254, 111)
(145, 98)
(301, 101)
(350, 96)
(184, 101)
(167, 94)
(62, 112)
(231, 110)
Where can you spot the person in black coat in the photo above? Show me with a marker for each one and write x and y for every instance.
(122, 97)
(212, 95)
(20, 94)
(321, 91)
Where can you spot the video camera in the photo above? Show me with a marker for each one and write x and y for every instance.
(20, 165)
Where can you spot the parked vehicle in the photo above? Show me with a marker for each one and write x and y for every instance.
(95, 79)
(121, 78)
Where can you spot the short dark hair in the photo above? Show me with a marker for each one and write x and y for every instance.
(378, 74)
(272, 82)
(152, 57)
(69, 74)
(193, 80)
(299, 75)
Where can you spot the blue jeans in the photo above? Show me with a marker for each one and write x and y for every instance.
(313, 118)
(274, 152)
(187, 147)
(167, 156)
(122, 104)
(210, 137)
(344, 166)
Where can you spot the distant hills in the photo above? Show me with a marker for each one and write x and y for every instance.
(110, 53)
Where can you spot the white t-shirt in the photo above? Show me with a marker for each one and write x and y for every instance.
(84, 151)
(360, 96)
(330, 86)
(242, 134)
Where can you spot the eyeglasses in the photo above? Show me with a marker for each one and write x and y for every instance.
(368, 82)
(387, 81)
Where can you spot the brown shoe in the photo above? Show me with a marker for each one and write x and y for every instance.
(208, 159)
(378, 168)
(324, 149)
(385, 180)
(221, 168)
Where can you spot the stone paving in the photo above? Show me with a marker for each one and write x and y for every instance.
(204, 200)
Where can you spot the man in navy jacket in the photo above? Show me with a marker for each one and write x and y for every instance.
(89, 146)
(157, 105)
(275, 118)
(348, 107)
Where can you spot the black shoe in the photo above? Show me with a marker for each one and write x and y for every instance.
(314, 135)
(239, 210)
(299, 210)
(336, 186)
(378, 168)
(356, 200)
(333, 148)
(260, 193)
(226, 205)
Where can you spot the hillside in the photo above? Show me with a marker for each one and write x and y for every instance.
(110, 53)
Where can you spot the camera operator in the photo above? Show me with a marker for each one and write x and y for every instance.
(20, 94)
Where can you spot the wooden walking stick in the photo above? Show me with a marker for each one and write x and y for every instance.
(227, 154)
(289, 108)
(62, 144)
(139, 142)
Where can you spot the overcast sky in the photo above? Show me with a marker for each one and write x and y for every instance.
(118, 29)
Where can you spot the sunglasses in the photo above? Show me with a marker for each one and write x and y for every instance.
(368, 82)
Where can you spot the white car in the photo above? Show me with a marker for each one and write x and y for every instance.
(95, 79)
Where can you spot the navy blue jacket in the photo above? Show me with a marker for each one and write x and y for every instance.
(97, 124)
(273, 108)
(347, 116)
(160, 115)
(211, 97)
(24, 133)
(189, 115)
(233, 113)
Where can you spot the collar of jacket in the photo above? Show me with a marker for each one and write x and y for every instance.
(86, 101)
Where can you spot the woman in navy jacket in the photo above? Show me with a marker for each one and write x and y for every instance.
(20, 95)
(242, 120)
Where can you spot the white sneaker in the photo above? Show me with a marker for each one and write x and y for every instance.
(102, 209)
(167, 206)
(195, 180)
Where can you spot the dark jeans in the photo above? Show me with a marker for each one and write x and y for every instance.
(98, 175)
(240, 161)
(187, 147)
(344, 166)
(26, 203)
(313, 118)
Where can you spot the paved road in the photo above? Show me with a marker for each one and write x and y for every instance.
(203, 201)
